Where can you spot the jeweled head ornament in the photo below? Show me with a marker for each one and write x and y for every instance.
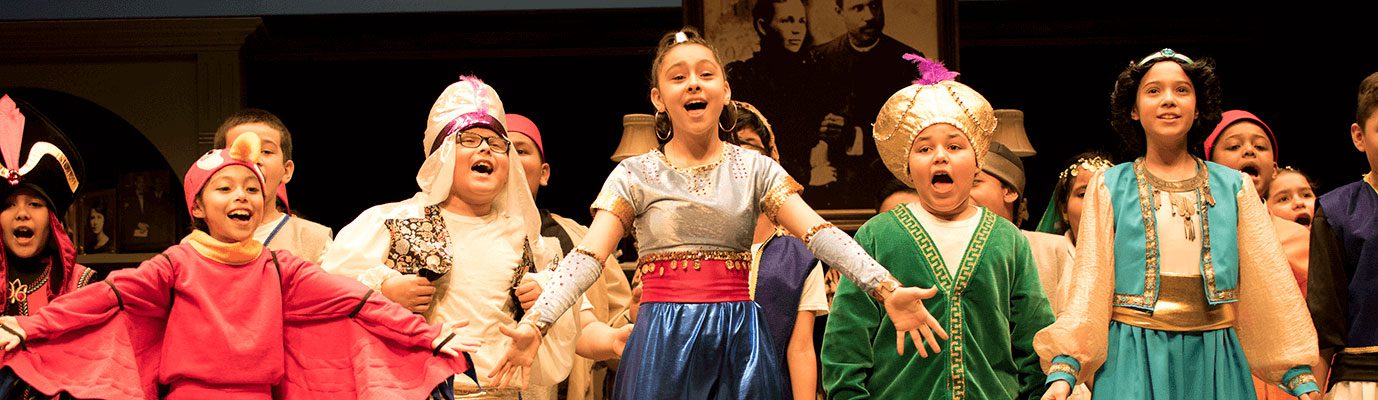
(1165, 54)
(933, 99)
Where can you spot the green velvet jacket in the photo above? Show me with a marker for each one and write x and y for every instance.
(991, 309)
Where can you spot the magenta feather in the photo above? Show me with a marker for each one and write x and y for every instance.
(480, 98)
(930, 71)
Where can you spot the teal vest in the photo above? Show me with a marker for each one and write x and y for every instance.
(1136, 237)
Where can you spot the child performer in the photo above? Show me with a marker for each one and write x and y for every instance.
(1169, 245)
(934, 135)
(464, 247)
(1063, 214)
(1344, 265)
(693, 207)
(39, 261)
(220, 316)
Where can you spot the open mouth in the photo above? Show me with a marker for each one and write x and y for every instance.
(23, 232)
(1250, 169)
(484, 167)
(696, 105)
(241, 215)
(1304, 220)
(942, 181)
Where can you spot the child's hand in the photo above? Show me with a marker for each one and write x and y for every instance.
(411, 291)
(1059, 390)
(1310, 396)
(453, 345)
(528, 291)
(619, 339)
(906, 310)
(13, 335)
(521, 353)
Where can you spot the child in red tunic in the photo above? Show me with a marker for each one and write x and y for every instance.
(220, 316)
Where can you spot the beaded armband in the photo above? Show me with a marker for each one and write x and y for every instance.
(808, 235)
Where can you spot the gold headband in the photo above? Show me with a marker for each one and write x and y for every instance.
(1093, 164)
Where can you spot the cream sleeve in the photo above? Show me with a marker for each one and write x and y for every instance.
(1273, 324)
(1074, 346)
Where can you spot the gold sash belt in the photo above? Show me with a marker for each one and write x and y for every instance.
(1181, 307)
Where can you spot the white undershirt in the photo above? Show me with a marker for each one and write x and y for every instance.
(951, 237)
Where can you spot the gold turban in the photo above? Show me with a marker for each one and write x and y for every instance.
(919, 106)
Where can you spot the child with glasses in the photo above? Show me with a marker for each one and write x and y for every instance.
(459, 249)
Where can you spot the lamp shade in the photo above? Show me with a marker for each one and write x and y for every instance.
(1010, 132)
(638, 136)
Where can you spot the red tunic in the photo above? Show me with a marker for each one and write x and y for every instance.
(207, 328)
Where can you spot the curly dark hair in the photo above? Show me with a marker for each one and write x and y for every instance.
(1123, 101)
(662, 120)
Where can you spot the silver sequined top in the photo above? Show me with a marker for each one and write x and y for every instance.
(709, 207)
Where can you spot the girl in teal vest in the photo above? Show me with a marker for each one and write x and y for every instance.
(1170, 245)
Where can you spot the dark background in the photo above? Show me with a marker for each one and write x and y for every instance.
(355, 89)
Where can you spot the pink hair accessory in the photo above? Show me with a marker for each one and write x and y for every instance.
(930, 72)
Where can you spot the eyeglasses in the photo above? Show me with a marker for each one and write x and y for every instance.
(471, 140)
(1165, 54)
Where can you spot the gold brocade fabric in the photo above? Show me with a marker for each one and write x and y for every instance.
(916, 107)
(1181, 307)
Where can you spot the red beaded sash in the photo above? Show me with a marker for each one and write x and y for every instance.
(695, 277)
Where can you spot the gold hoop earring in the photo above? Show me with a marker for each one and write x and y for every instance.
(668, 134)
(733, 116)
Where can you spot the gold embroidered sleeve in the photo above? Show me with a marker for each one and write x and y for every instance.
(778, 193)
(1274, 326)
(617, 205)
(1083, 325)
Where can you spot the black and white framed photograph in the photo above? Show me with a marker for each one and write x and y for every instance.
(96, 222)
(819, 70)
(147, 219)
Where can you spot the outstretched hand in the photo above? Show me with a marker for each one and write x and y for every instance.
(452, 346)
(9, 340)
(906, 310)
(521, 353)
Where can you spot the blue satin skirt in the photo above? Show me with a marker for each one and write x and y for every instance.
(1144, 364)
(699, 351)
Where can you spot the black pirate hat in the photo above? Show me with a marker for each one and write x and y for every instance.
(34, 153)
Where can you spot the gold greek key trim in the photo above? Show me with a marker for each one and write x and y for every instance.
(618, 206)
(776, 196)
(1300, 380)
(1062, 367)
(1361, 350)
(808, 236)
(953, 286)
